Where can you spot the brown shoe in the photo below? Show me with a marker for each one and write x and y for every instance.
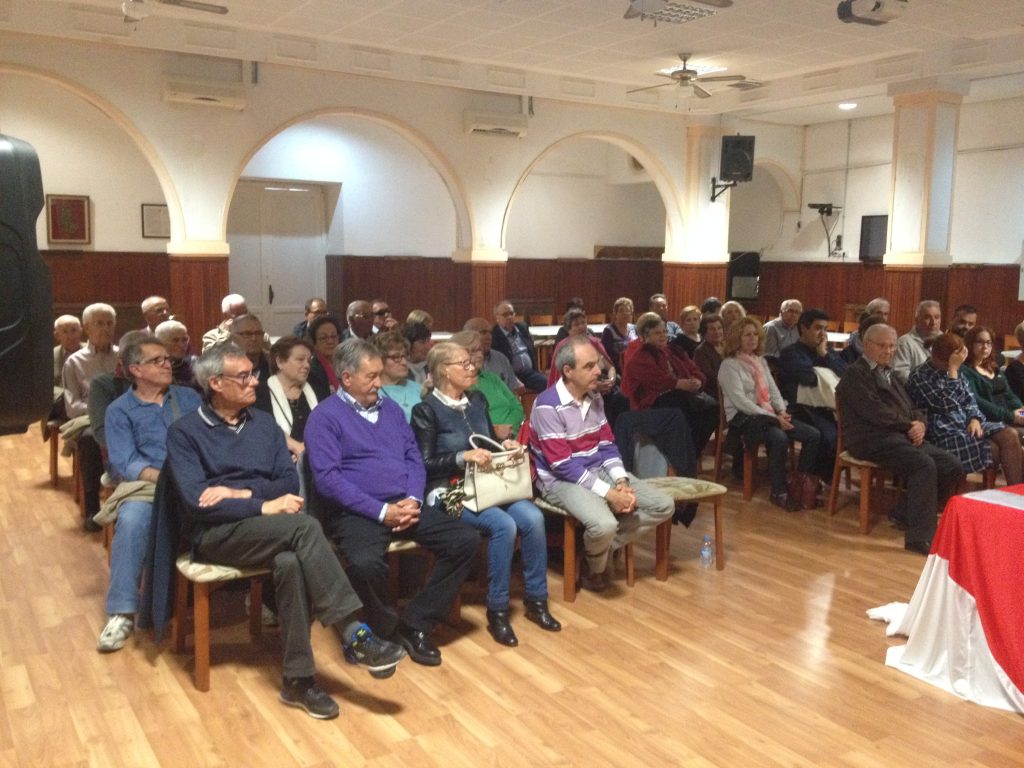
(594, 582)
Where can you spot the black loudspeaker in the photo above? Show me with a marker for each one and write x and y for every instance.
(26, 302)
(737, 163)
(743, 274)
(873, 233)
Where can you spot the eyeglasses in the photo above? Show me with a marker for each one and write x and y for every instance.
(382, 312)
(397, 356)
(464, 364)
(161, 360)
(245, 378)
(249, 334)
(984, 342)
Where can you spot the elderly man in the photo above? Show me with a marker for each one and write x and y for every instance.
(240, 491)
(247, 332)
(797, 365)
(580, 469)
(910, 348)
(67, 332)
(513, 340)
(155, 310)
(359, 317)
(782, 331)
(369, 479)
(494, 361)
(174, 335)
(880, 424)
(99, 355)
(136, 435)
(659, 305)
(315, 307)
(383, 320)
(877, 307)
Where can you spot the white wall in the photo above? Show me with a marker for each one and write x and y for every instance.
(82, 153)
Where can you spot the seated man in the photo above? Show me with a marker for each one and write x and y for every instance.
(910, 347)
(67, 332)
(580, 469)
(315, 307)
(782, 331)
(369, 479)
(247, 332)
(155, 310)
(240, 491)
(880, 424)
(877, 307)
(493, 360)
(796, 369)
(659, 305)
(231, 306)
(359, 317)
(383, 320)
(513, 340)
(965, 317)
(136, 434)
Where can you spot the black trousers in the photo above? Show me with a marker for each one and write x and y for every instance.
(667, 428)
(701, 415)
(364, 543)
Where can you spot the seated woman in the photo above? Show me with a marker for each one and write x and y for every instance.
(658, 375)
(689, 330)
(615, 402)
(503, 405)
(325, 332)
(618, 334)
(731, 313)
(710, 352)
(989, 387)
(443, 423)
(174, 335)
(395, 381)
(955, 423)
(290, 398)
(1015, 368)
(755, 409)
(574, 303)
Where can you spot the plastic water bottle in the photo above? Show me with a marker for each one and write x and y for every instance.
(707, 553)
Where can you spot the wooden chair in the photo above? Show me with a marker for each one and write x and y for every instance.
(749, 457)
(52, 430)
(871, 476)
(203, 578)
(684, 490)
(597, 317)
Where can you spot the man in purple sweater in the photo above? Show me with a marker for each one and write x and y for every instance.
(369, 479)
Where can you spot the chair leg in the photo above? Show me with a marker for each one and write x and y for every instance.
(662, 538)
(569, 560)
(179, 625)
(630, 569)
(53, 435)
(201, 630)
(867, 479)
(719, 544)
(256, 606)
(717, 472)
(748, 475)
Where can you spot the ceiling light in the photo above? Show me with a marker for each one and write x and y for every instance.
(846, 106)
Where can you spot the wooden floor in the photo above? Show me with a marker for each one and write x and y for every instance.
(769, 662)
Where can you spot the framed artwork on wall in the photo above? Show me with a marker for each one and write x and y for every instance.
(67, 219)
(156, 222)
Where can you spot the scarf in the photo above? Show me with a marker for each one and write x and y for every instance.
(279, 403)
(761, 393)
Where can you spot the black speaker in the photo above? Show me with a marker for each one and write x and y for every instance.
(873, 232)
(737, 163)
(743, 275)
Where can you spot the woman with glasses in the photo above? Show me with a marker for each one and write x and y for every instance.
(325, 332)
(443, 423)
(988, 385)
(291, 398)
(395, 382)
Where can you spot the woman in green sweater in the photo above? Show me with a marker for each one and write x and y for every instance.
(981, 372)
(503, 404)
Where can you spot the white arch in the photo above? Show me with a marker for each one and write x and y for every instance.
(659, 175)
(787, 186)
(122, 121)
(464, 225)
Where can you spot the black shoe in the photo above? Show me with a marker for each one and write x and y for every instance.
(537, 612)
(500, 627)
(418, 644)
(782, 500)
(595, 582)
(379, 656)
(684, 514)
(91, 526)
(304, 693)
(898, 520)
(921, 547)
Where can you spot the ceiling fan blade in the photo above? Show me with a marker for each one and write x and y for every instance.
(196, 5)
(722, 78)
(714, 3)
(699, 92)
(648, 88)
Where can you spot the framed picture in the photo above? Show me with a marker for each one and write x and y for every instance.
(155, 221)
(67, 219)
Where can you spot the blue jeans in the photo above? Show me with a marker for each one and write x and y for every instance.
(128, 556)
(501, 526)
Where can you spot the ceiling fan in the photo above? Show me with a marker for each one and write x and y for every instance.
(684, 76)
(670, 10)
(136, 10)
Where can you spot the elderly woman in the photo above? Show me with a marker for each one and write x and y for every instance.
(989, 387)
(711, 351)
(174, 335)
(503, 406)
(731, 313)
(756, 410)
(955, 423)
(618, 334)
(443, 423)
(689, 336)
(289, 397)
(325, 332)
(395, 382)
(658, 375)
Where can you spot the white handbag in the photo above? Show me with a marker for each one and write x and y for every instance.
(505, 480)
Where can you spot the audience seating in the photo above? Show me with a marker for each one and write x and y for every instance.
(749, 457)
(872, 476)
(51, 429)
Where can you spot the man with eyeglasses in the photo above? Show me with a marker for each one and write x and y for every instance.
(136, 436)
(369, 478)
(247, 332)
(359, 317)
(239, 487)
(383, 320)
(513, 340)
(315, 307)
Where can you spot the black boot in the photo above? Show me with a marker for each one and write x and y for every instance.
(500, 627)
(537, 612)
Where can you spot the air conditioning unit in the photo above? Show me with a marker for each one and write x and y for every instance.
(204, 93)
(495, 123)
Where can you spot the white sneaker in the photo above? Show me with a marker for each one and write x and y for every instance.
(113, 637)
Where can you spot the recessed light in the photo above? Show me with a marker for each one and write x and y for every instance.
(846, 106)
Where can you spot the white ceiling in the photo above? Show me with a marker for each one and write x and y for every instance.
(583, 50)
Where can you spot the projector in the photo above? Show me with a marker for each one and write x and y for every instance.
(871, 12)
(825, 209)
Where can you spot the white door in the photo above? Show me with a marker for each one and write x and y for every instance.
(278, 239)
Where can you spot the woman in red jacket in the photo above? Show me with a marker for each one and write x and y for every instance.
(659, 375)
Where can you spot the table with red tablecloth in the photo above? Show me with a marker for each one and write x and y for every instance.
(965, 622)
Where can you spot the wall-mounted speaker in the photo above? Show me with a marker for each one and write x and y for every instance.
(737, 163)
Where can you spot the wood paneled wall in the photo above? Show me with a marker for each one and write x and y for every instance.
(686, 284)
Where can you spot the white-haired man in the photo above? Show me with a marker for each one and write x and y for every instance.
(910, 348)
(782, 332)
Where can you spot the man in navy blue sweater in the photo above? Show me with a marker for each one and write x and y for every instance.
(369, 479)
(240, 490)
